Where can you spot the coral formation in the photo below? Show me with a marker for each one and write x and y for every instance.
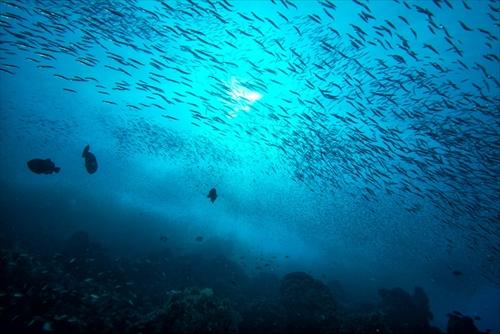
(199, 311)
(404, 313)
(80, 290)
(308, 303)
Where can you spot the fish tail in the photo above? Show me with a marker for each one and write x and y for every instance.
(57, 169)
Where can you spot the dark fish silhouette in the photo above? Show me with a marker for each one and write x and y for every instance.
(212, 194)
(42, 166)
(199, 238)
(90, 160)
(457, 273)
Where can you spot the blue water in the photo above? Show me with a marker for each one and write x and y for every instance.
(330, 153)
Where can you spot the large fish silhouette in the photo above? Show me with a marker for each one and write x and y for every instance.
(42, 166)
(90, 160)
(212, 194)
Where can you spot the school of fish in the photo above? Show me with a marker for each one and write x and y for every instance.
(372, 106)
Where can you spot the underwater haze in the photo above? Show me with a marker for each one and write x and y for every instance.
(267, 166)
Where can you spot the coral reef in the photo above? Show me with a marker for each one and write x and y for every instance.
(404, 313)
(199, 311)
(263, 315)
(308, 303)
(361, 323)
(81, 290)
(461, 324)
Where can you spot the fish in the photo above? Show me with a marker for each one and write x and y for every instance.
(90, 160)
(43, 166)
(407, 86)
(212, 194)
(464, 26)
(430, 47)
(199, 238)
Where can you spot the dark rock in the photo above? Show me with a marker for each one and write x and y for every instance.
(361, 323)
(421, 302)
(435, 330)
(198, 312)
(404, 313)
(458, 324)
(308, 303)
(263, 316)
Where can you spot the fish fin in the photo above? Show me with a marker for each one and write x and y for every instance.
(85, 151)
(57, 169)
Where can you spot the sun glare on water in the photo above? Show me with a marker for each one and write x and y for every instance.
(242, 97)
